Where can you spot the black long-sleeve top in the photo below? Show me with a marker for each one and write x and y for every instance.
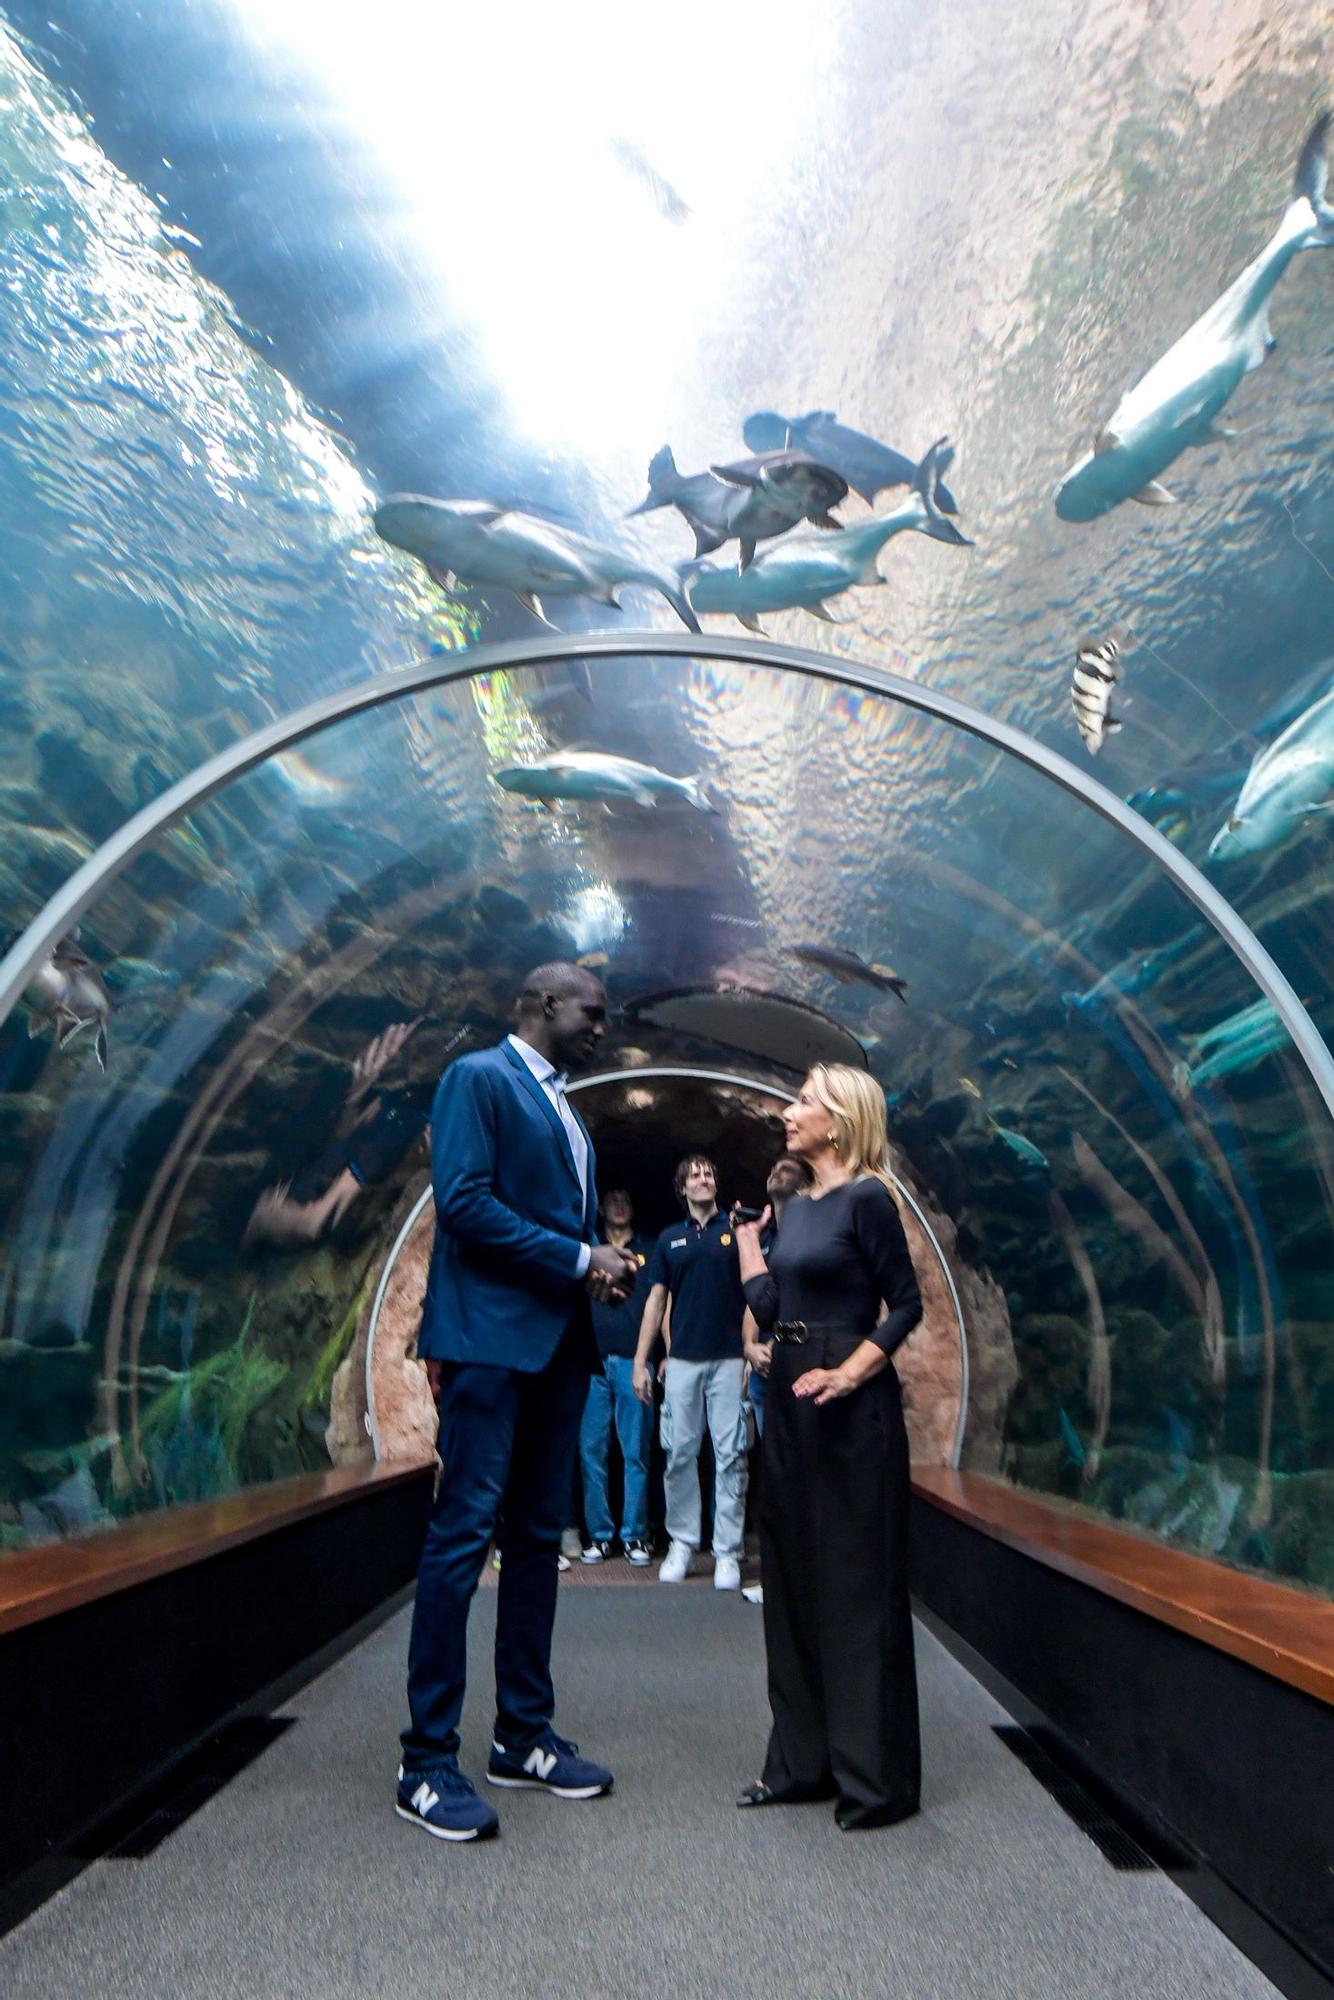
(835, 1258)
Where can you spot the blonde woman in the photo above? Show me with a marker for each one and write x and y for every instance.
(834, 1528)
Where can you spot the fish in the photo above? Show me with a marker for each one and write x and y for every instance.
(803, 572)
(1097, 664)
(1019, 1145)
(966, 1083)
(868, 466)
(474, 541)
(70, 993)
(593, 961)
(592, 775)
(1176, 403)
(1231, 1046)
(748, 501)
(663, 195)
(1070, 1438)
(1288, 784)
(849, 970)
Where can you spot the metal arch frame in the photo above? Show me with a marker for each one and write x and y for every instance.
(115, 855)
(696, 1076)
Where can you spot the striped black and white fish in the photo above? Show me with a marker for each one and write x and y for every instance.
(1097, 669)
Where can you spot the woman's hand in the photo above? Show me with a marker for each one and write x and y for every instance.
(747, 1237)
(827, 1385)
(823, 1385)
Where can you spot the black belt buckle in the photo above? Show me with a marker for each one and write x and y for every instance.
(790, 1331)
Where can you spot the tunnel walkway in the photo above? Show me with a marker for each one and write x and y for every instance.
(297, 1879)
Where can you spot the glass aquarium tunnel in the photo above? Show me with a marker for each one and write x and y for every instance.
(301, 416)
(1112, 1123)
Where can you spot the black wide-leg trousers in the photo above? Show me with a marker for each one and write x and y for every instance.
(837, 1618)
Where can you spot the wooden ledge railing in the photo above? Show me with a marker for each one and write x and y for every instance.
(59, 1576)
(1284, 1632)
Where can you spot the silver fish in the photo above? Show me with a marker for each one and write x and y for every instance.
(848, 969)
(69, 993)
(1095, 675)
(473, 541)
(803, 572)
(1174, 405)
(592, 775)
(868, 466)
(749, 501)
(1288, 784)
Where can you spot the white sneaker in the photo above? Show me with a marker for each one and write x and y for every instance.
(571, 1543)
(754, 1593)
(676, 1567)
(726, 1573)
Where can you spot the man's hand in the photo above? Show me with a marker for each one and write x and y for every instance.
(610, 1273)
(642, 1381)
(759, 1353)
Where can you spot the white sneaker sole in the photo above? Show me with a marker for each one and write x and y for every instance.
(444, 1832)
(557, 1791)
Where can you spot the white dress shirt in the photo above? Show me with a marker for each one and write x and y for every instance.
(553, 1085)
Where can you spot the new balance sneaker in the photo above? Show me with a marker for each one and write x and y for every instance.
(726, 1573)
(676, 1566)
(442, 1802)
(638, 1552)
(550, 1765)
(596, 1552)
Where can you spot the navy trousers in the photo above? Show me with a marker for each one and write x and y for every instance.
(507, 1448)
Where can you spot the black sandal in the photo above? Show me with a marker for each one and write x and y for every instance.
(758, 1794)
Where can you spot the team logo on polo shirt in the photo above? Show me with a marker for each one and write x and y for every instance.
(640, 1259)
(725, 1238)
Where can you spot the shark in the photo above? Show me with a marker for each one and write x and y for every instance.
(804, 571)
(1289, 782)
(1176, 403)
(868, 466)
(474, 541)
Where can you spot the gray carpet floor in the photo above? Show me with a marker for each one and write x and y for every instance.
(297, 1879)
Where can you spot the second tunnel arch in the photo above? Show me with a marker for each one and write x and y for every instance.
(737, 1080)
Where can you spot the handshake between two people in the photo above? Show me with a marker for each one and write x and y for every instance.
(611, 1273)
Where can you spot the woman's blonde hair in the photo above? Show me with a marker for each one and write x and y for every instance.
(856, 1107)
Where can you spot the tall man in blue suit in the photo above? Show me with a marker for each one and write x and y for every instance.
(508, 1344)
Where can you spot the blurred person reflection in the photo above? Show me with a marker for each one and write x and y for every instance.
(787, 1176)
(694, 1262)
(376, 1129)
(834, 1525)
(613, 1404)
(508, 1344)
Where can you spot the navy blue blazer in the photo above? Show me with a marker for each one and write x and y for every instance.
(510, 1219)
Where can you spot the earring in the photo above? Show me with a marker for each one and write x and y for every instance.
(833, 1140)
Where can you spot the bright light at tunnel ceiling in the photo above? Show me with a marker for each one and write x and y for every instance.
(580, 181)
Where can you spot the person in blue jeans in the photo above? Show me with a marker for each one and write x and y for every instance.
(612, 1403)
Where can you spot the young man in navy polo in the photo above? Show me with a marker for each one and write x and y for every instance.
(695, 1262)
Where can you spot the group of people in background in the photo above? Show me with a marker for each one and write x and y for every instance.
(685, 1325)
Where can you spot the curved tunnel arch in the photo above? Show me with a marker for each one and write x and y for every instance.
(71, 902)
(697, 1075)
